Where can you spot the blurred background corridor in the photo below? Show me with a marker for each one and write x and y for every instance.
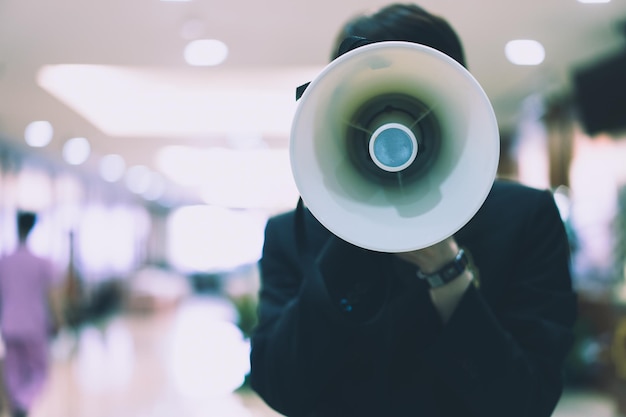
(152, 141)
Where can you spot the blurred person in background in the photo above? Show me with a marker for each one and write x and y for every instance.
(5, 407)
(477, 325)
(30, 315)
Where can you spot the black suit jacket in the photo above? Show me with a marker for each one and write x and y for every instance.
(389, 354)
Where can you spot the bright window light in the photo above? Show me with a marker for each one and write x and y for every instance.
(38, 134)
(107, 239)
(112, 167)
(206, 238)
(76, 151)
(525, 52)
(184, 165)
(34, 190)
(205, 52)
(258, 178)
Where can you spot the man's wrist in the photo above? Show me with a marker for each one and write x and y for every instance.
(447, 272)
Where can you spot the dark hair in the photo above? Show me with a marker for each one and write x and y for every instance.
(402, 22)
(25, 222)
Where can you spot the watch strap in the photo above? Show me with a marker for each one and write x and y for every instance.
(448, 272)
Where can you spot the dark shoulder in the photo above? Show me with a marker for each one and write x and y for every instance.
(516, 197)
(282, 227)
(509, 209)
(282, 220)
(512, 189)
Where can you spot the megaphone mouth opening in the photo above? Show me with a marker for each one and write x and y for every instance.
(393, 139)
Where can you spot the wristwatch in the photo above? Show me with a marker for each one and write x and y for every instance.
(447, 273)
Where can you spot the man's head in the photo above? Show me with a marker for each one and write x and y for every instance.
(25, 222)
(402, 22)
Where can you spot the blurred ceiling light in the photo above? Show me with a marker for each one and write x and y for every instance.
(594, 1)
(205, 52)
(38, 134)
(141, 102)
(138, 179)
(76, 151)
(525, 52)
(112, 167)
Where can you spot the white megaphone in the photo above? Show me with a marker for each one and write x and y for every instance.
(394, 146)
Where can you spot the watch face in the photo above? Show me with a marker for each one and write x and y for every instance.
(452, 271)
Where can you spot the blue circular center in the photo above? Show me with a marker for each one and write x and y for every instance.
(393, 147)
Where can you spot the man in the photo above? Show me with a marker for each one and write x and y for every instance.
(26, 304)
(344, 331)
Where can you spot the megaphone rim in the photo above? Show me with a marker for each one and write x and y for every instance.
(481, 194)
(361, 50)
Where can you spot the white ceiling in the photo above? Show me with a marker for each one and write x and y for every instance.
(274, 46)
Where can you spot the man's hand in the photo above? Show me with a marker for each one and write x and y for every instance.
(430, 259)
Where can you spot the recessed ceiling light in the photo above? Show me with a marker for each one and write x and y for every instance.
(38, 134)
(594, 1)
(525, 52)
(112, 167)
(76, 151)
(205, 52)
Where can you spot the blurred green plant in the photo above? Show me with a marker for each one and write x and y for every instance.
(246, 306)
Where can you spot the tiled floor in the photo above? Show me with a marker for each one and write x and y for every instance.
(165, 364)
(158, 365)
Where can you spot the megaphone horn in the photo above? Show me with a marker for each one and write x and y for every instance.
(394, 146)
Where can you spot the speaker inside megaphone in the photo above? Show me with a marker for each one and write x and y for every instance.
(394, 146)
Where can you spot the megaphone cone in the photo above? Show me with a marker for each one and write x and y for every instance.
(394, 146)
